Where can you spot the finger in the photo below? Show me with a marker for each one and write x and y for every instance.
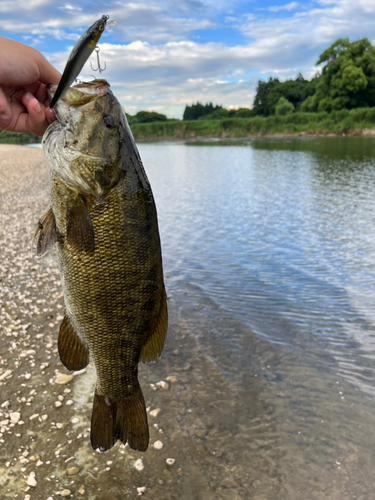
(5, 113)
(50, 116)
(34, 120)
(41, 93)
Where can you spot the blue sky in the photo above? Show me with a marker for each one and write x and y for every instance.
(165, 54)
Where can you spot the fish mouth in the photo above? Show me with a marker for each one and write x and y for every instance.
(79, 95)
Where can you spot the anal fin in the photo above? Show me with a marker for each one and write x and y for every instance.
(80, 232)
(46, 233)
(154, 344)
(74, 354)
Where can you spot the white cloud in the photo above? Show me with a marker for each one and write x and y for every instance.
(288, 6)
(21, 5)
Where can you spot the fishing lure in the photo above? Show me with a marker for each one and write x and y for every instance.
(79, 55)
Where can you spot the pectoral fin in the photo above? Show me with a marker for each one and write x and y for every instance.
(45, 234)
(154, 344)
(79, 229)
(74, 354)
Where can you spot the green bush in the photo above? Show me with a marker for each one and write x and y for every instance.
(283, 107)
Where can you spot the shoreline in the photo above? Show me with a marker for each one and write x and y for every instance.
(352, 133)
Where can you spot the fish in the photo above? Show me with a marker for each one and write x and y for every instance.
(79, 55)
(104, 223)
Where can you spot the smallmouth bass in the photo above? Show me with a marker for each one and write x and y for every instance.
(103, 219)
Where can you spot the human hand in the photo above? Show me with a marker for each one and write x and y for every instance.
(24, 75)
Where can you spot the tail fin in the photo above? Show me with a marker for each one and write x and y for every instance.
(125, 420)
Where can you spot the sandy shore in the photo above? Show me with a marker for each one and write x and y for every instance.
(45, 411)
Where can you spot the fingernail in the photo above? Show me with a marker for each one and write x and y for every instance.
(37, 107)
(28, 97)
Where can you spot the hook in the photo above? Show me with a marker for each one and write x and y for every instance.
(97, 49)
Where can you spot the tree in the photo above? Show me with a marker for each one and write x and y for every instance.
(283, 107)
(149, 116)
(197, 110)
(348, 77)
(269, 93)
(260, 104)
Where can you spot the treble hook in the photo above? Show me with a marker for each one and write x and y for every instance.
(97, 50)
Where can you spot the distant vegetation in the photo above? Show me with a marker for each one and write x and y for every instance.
(146, 117)
(17, 138)
(297, 123)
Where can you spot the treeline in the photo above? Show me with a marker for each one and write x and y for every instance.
(208, 111)
(17, 138)
(346, 81)
(147, 117)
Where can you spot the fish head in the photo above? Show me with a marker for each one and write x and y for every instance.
(92, 118)
(85, 141)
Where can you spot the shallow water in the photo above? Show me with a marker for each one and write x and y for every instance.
(269, 263)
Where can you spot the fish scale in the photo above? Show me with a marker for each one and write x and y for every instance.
(106, 230)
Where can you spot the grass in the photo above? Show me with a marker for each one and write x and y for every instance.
(336, 122)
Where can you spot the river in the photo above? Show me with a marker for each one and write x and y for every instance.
(270, 243)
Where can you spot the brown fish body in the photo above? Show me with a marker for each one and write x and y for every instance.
(105, 225)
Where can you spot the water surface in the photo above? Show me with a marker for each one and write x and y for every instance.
(269, 251)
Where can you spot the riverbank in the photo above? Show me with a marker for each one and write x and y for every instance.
(355, 122)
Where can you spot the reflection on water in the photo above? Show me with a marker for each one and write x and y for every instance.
(269, 251)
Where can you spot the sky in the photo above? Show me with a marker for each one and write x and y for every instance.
(165, 54)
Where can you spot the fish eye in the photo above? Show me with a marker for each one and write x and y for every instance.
(101, 27)
(109, 121)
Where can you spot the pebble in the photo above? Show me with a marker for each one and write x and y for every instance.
(172, 379)
(139, 464)
(15, 417)
(39, 463)
(34, 458)
(158, 445)
(31, 480)
(63, 379)
(141, 490)
(200, 433)
(75, 420)
(65, 493)
(6, 374)
(58, 404)
(170, 461)
(81, 491)
(163, 385)
(36, 415)
(155, 413)
(73, 471)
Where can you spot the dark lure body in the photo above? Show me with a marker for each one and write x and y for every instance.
(78, 57)
(104, 221)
